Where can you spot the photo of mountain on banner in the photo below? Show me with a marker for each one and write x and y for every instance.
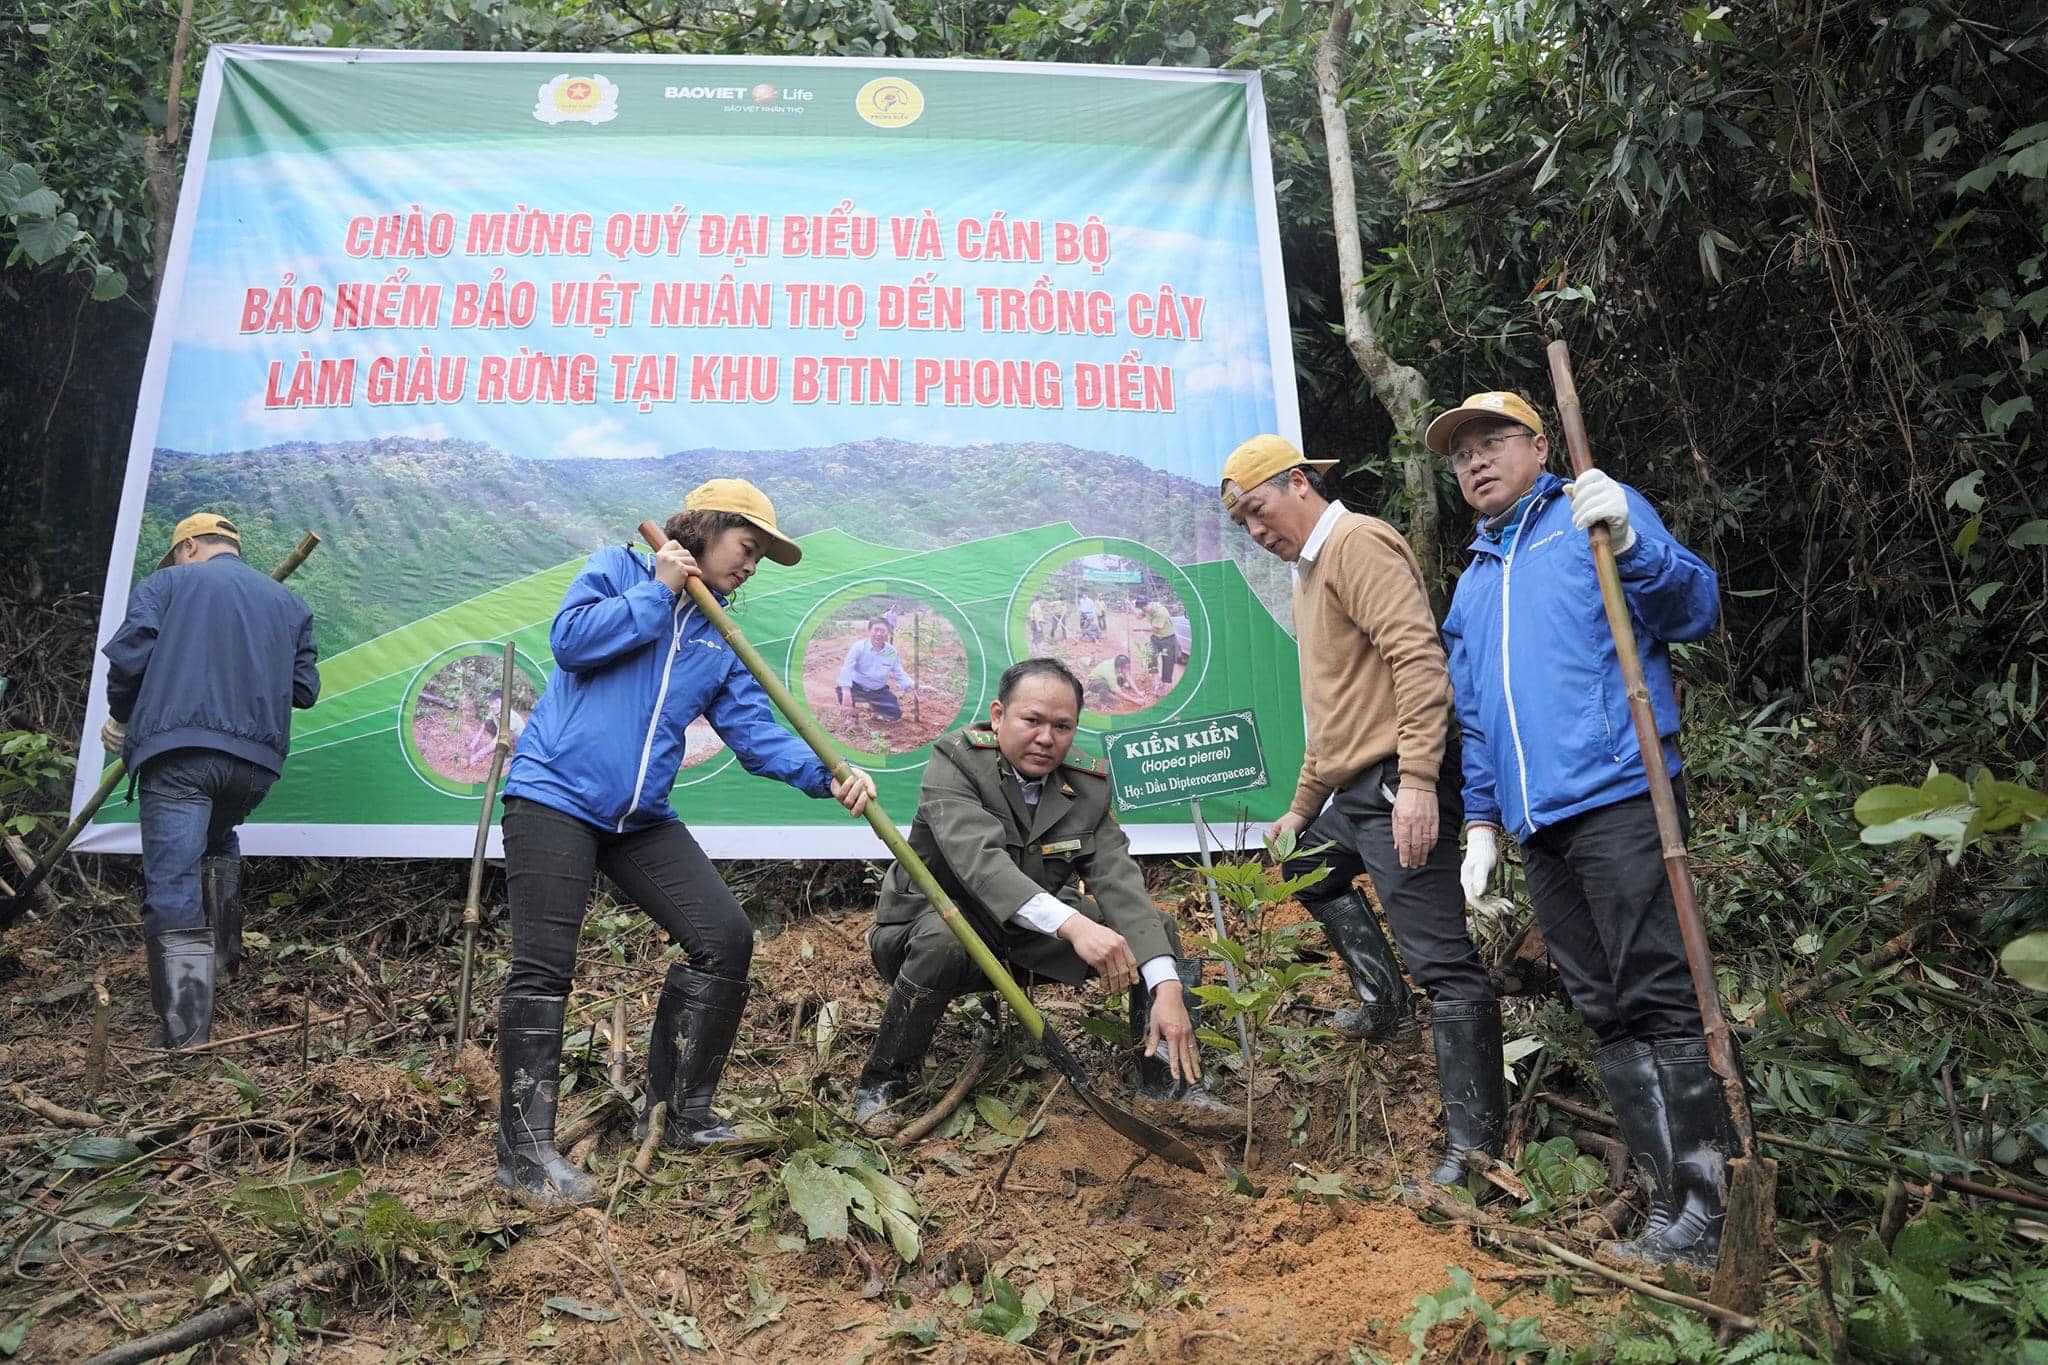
(412, 526)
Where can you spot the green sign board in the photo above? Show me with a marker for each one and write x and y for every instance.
(1185, 761)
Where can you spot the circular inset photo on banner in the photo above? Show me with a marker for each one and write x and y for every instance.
(1118, 614)
(448, 722)
(887, 667)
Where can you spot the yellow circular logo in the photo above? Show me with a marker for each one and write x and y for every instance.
(578, 95)
(890, 102)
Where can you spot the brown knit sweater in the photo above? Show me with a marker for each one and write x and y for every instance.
(1373, 676)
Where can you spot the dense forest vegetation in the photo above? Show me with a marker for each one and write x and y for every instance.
(1797, 249)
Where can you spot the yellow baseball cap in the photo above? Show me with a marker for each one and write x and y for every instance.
(742, 499)
(1258, 460)
(199, 524)
(1497, 403)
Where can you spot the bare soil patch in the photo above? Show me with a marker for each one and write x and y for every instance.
(364, 1139)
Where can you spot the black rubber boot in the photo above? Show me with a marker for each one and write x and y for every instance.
(905, 1035)
(529, 1070)
(694, 1028)
(1163, 1097)
(1471, 1078)
(1628, 1072)
(181, 986)
(1386, 1010)
(1703, 1137)
(220, 891)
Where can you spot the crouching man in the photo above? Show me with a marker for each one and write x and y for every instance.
(1012, 823)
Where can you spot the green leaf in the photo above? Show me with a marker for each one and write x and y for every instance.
(45, 239)
(577, 1308)
(1005, 1314)
(95, 1153)
(1967, 537)
(244, 1084)
(2025, 960)
(1982, 594)
(1882, 805)
(1237, 1182)
(685, 1328)
(819, 1196)
(1966, 492)
(14, 1333)
(2031, 162)
(1998, 417)
(1980, 178)
(2033, 532)
(998, 1115)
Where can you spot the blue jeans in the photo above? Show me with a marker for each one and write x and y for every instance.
(192, 799)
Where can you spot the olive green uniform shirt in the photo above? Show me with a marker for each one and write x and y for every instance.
(992, 852)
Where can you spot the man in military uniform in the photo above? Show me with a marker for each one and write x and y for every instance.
(1010, 821)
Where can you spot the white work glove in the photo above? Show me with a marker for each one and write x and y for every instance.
(1482, 855)
(113, 735)
(1595, 497)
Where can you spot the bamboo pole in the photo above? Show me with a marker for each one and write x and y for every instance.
(1745, 1244)
(472, 904)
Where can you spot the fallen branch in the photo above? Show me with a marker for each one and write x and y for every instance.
(591, 1121)
(220, 1321)
(303, 1023)
(55, 1113)
(1883, 955)
(963, 1085)
(657, 1119)
(1440, 1203)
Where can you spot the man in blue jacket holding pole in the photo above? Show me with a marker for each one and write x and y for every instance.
(202, 678)
(1551, 756)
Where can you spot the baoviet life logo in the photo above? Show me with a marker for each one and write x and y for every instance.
(889, 102)
(577, 99)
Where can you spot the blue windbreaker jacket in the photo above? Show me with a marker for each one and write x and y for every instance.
(1539, 692)
(634, 665)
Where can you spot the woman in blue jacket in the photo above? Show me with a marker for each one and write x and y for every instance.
(588, 791)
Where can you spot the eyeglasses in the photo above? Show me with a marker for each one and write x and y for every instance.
(1490, 446)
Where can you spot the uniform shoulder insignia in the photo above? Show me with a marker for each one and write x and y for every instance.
(1086, 763)
(981, 739)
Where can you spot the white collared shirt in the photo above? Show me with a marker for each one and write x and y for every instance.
(1046, 912)
(1313, 546)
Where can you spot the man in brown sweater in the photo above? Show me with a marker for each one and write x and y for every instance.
(1380, 780)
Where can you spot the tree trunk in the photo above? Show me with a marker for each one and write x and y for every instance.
(1400, 389)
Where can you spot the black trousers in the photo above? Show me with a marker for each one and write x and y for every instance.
(1425, 905)
(1598, 884)
(550, 859)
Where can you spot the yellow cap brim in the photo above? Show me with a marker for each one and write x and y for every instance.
(1438, 437)
(780, 547)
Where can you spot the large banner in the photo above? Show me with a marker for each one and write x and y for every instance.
(983, 332)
